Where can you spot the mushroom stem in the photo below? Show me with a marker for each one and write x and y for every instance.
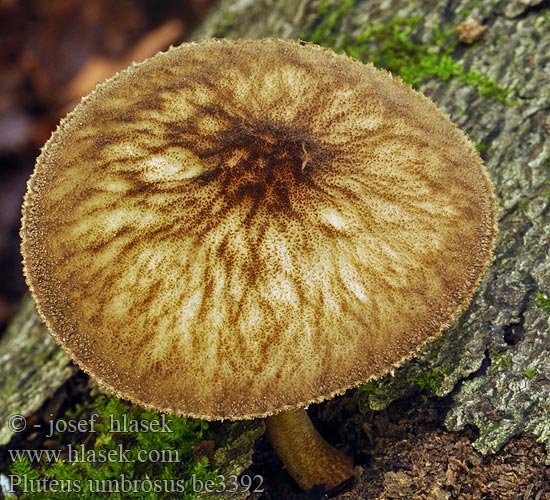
(309, 459)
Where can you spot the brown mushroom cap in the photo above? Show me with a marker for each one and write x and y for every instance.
(231, 229)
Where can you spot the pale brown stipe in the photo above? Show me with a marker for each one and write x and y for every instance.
(234, 229)
(309, 459)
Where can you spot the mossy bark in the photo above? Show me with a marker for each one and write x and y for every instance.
(32, 368)
(496, 361)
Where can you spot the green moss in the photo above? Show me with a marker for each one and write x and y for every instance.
(330, 13)
(481, 147)
(392, 46)
(501, 361)
(369, 388)
(430, 380)
(157, 463)
(543, 301)
(362, 395)
(530, 373)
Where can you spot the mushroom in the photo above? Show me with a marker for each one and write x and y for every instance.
(239, 229)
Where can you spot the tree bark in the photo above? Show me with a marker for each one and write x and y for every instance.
(496, 361)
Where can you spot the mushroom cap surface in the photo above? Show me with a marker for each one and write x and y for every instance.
(232, 229)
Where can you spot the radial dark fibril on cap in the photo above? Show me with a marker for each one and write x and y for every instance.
(234, 229)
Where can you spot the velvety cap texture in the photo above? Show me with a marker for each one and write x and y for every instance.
(231, 229)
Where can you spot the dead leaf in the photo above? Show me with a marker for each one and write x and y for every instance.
(470, 31)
